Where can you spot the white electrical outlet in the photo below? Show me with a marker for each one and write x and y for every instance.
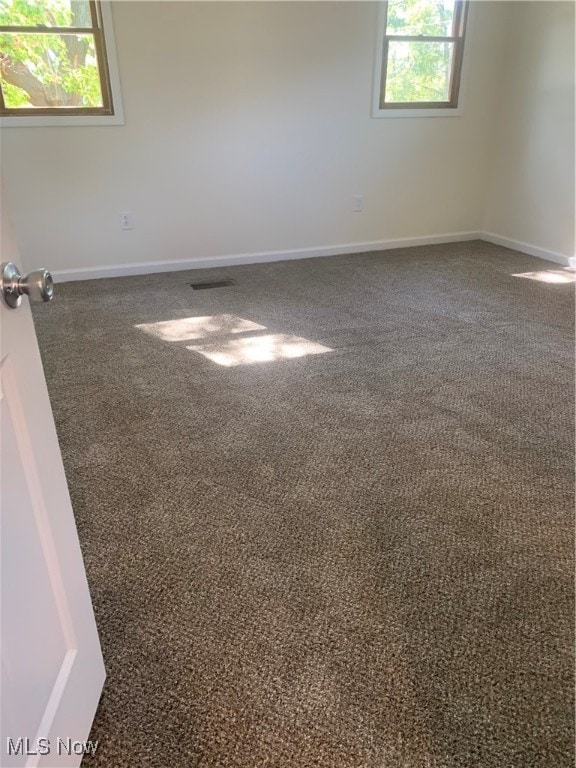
(126, 221)
(358, 203)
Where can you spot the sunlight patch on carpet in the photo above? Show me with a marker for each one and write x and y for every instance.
(259, 349)
(557, 276)
(189, 328)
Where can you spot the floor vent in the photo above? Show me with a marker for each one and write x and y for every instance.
(215, 284)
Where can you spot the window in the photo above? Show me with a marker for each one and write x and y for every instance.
(419, 57)
(55, 63)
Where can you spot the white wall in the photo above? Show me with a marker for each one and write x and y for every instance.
(530, 197)
(248, 129)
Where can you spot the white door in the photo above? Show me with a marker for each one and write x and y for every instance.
(52, 671)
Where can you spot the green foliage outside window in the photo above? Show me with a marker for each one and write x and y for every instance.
(419, 70)
(45, 69)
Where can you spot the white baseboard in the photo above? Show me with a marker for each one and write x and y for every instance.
(531, 250)
(230, 260)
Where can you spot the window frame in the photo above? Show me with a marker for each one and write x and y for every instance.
(451, 108)
(111, 112)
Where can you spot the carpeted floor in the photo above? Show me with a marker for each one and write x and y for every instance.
(353, 551)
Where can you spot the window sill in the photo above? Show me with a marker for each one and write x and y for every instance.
(442, 112)
(54, 121)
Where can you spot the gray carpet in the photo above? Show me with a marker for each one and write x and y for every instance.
(358, 557)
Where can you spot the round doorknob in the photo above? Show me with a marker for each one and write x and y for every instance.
(37, 285)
